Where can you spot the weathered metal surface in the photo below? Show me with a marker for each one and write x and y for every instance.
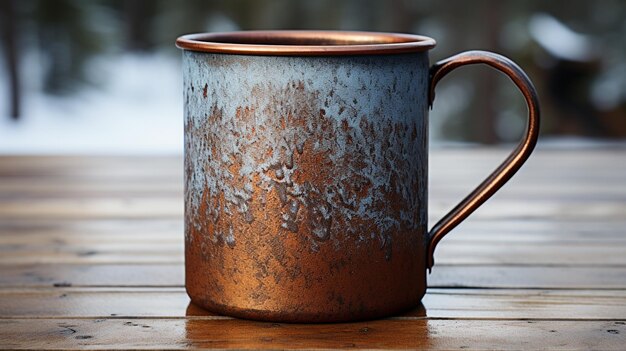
(306, 170)
(306, 184)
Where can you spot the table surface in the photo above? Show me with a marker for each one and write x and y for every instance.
(91, 256)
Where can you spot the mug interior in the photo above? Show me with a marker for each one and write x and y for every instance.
(305, 42)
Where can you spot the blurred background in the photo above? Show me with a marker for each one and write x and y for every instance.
(103, 76)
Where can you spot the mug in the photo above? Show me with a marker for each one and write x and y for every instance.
(306, 167)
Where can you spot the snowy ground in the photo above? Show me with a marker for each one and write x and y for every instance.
(137, 109)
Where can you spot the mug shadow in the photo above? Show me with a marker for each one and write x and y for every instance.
(204, 329)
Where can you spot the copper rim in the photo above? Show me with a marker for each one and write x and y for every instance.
(305, 43)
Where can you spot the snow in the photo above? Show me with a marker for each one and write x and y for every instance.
(137, 109)
(559, 40)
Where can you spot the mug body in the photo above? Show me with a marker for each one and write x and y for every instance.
(306, 184)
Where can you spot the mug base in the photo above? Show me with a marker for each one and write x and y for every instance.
(415, 308)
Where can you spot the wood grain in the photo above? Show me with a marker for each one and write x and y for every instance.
(91, 257)
(38, 275)
(438, 303)
(140, 333)
(458, 276)
(113, 207)
(37, 231)
(167, 207)
(450, 253)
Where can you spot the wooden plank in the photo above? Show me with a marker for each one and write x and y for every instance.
(172, 207)
(122, 167)
(525, 191)
(524, 304)
(438, 303)
(539, 230)
(27, 227)
(17, 238)
(557, 176)
(576, 211)
(121, 237)
(17, 241)
(548, 277)
(486, 242)
(489, 253)
(23, 231)
(558, 157)
(441, 183)
(81, 208)
(96, 257)
(457, 157)
(23, 234)
(441, 188)
(469, 161)
(62, 188)
(449, 253)
(443, 276)
(543, 176)
(239, 334)
(36, 275)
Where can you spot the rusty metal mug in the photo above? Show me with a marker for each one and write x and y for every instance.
(306, 171)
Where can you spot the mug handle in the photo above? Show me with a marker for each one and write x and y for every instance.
(515, 160)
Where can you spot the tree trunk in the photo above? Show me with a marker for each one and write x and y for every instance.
(139, 15)
(485, 131)
(7, 11)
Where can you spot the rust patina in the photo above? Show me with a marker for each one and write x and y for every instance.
(306, 173)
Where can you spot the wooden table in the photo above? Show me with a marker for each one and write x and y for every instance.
(91, 257)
